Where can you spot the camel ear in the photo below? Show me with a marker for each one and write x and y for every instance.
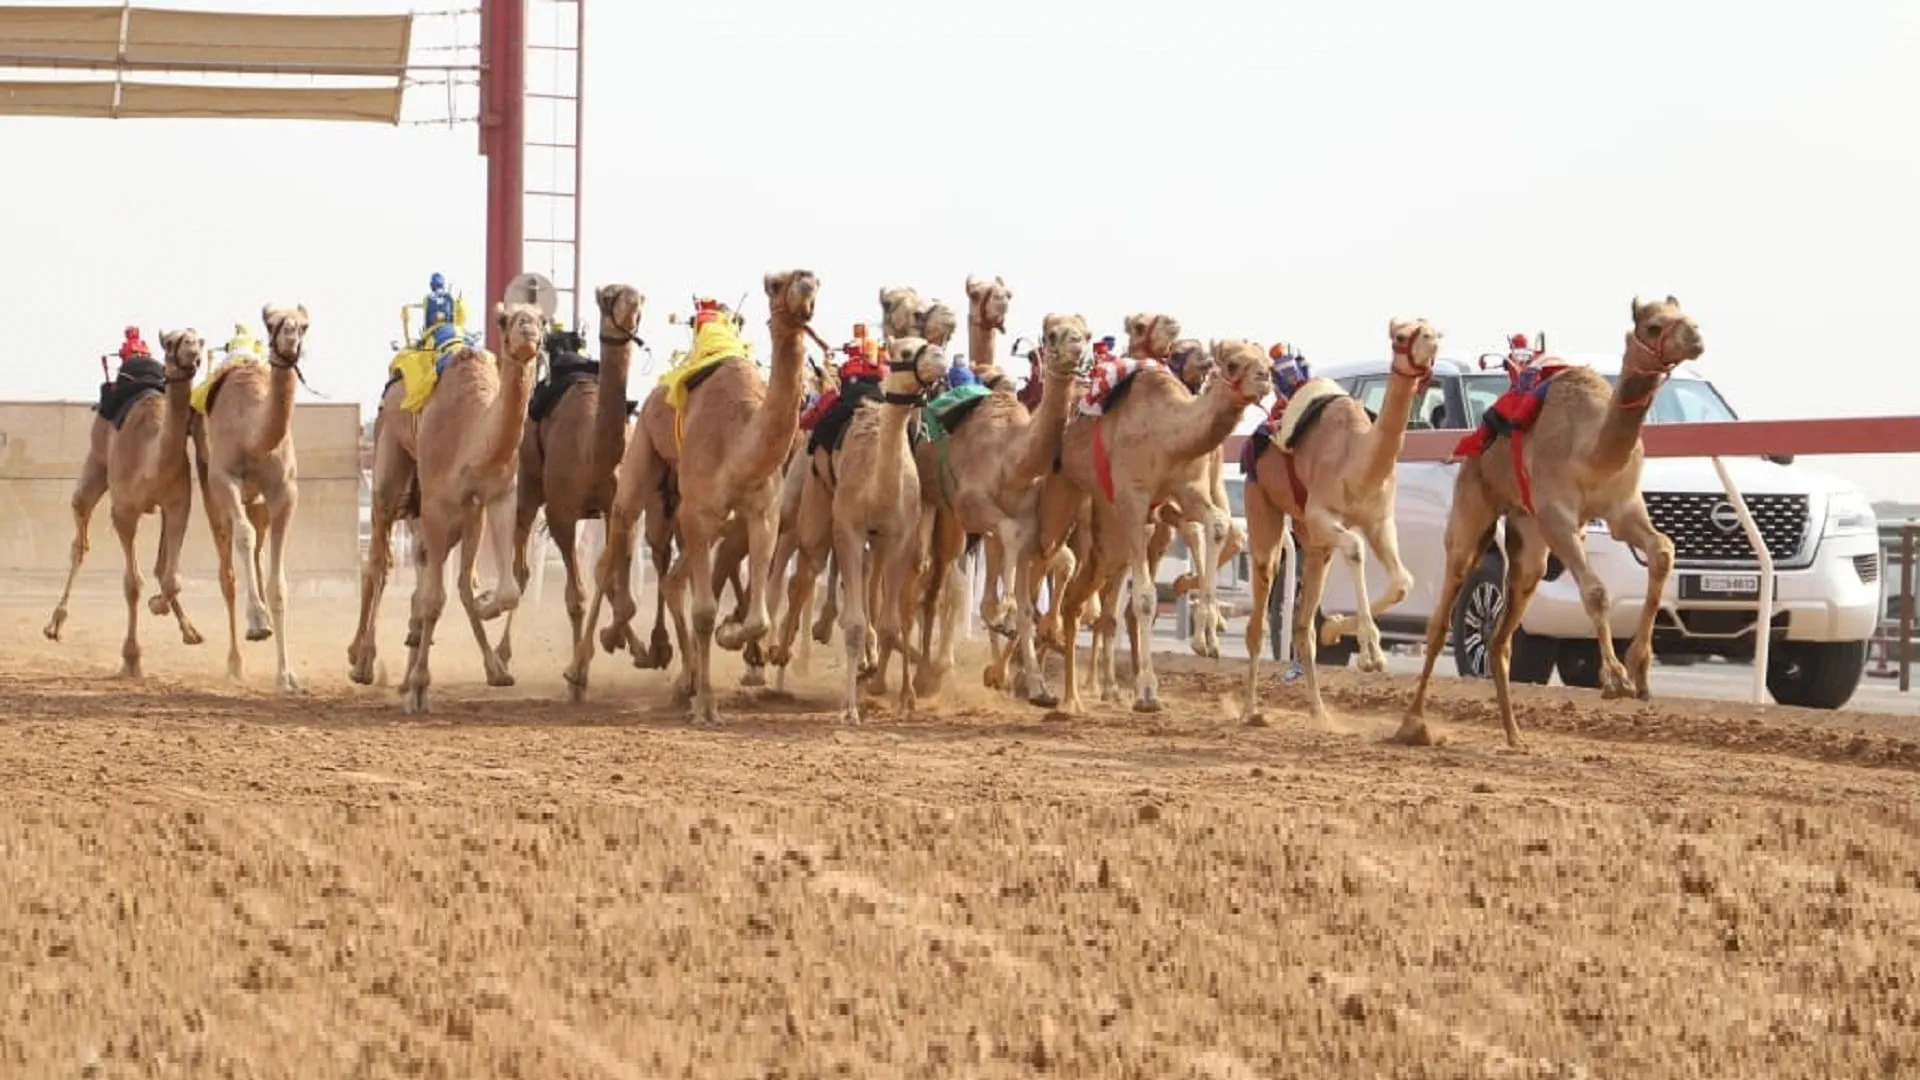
(883, 298)
(1637, 307)
(270, 315)
(303, 312)
(1002, 282)
(772, 283)
(976, 286)
(168, 338)
(603, 296)
(500, 316)
(1672, 300)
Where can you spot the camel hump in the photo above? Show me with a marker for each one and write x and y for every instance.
(1303, 408)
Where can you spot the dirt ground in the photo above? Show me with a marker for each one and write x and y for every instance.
(204, 880)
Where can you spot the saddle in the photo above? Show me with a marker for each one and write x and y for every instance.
(944, 414)
(831, 428)
(1290, 422)
(562, 373)
(137, 378)
(1512, 415)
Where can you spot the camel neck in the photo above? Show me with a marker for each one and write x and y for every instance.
(610, 404)
(892, 450)
(277, 425)
(1197, 426)
(177, 417)
(981, 341)
(1389, 432)
(508, 412)
(1033, 456)
(1627, 409)
(769, 435)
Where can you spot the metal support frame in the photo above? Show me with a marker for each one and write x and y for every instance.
(503, 133)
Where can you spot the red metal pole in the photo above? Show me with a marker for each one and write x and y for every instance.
(503, 139)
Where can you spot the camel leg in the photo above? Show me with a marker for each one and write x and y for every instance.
(223, 547)
(1031, 675)
(245, 542)
(811, 541)
(166, 565)
(1526, 565)
(946, 543)
(1564, 538)
(471, 533)
(900, 580)
(87, 493)
(1265, 525)
(373, 585)
(1317, 557)
(1633, 527)
(830, 606)
(1469, 533)
(126, 522)
(618, 545)
(692, 572)
(850, 551)
(1383, 538)
(432, 543)
(1146, 602)
(762, 531)
(1106, 633)
(279, 524)
(1086, 577)
(1367, 633)
(565, 533)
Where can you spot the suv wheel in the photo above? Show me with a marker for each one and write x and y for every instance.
(1815, 674)
(1476, 614)
(1579, 662)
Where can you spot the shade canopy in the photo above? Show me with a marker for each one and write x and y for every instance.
(130, 42)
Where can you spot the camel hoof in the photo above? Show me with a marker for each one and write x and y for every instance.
(850, 717)
(503, 677)
(361, 671)
(413, 700)
(729, 635)
(992, 679)
(157, 604)
(191, 635)
(754, 676)
(288, 684)
(1255, 718)
(131, 670)
(611, 639)
(55, 623)
(1415, 732)
(1147, 705)
(576, 685)
(823, 632)
(1044, 700)
(779, 655)
(259, 634)
(412, 642)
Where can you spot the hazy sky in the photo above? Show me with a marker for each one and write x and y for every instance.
(1297, 171)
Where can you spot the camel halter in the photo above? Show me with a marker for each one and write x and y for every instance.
(291, 364)
(1421, 376)
(1661, 367)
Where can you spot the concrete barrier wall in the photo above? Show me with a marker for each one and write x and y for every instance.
(42, 445)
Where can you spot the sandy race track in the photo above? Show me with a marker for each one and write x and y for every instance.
(203, 880)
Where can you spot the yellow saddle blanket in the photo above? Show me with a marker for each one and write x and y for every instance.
(1300, 406)
(218, 372)
(712, 343)
(418, 372)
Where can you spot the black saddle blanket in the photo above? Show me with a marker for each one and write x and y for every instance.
(137, 379)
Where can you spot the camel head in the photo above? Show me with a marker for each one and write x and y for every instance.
(1416, 345)
(1663, 337)
(1243, 368)
(522, 329)
(914, 365)
(183, 350)
(1190, 360)
(1150, 335)
(286, 331)
(620, 308)
(899, 311)
(936, 322)
(790, 295)
(1066, 338)
(987, 302)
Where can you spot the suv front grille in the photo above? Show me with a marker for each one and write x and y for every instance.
(1703, 527)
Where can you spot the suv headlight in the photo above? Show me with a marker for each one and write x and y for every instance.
(1849, 514)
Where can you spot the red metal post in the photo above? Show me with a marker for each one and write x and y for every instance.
(503, 88)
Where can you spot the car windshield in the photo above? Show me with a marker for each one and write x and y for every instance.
(1680, 401)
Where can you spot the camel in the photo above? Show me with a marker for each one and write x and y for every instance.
(396, 497)
(1190, 360)
(1582, 463)
(1330, 468)
(249, 480)
(568, 454)
(876, 520)
(734, 431)
(467, 444)
(980, 474)
(138, 455)
(1147, 445)
(810, 536)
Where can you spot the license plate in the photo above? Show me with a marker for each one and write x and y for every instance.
(1720, 586)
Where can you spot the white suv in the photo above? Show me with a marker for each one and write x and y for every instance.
(1821, 532)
